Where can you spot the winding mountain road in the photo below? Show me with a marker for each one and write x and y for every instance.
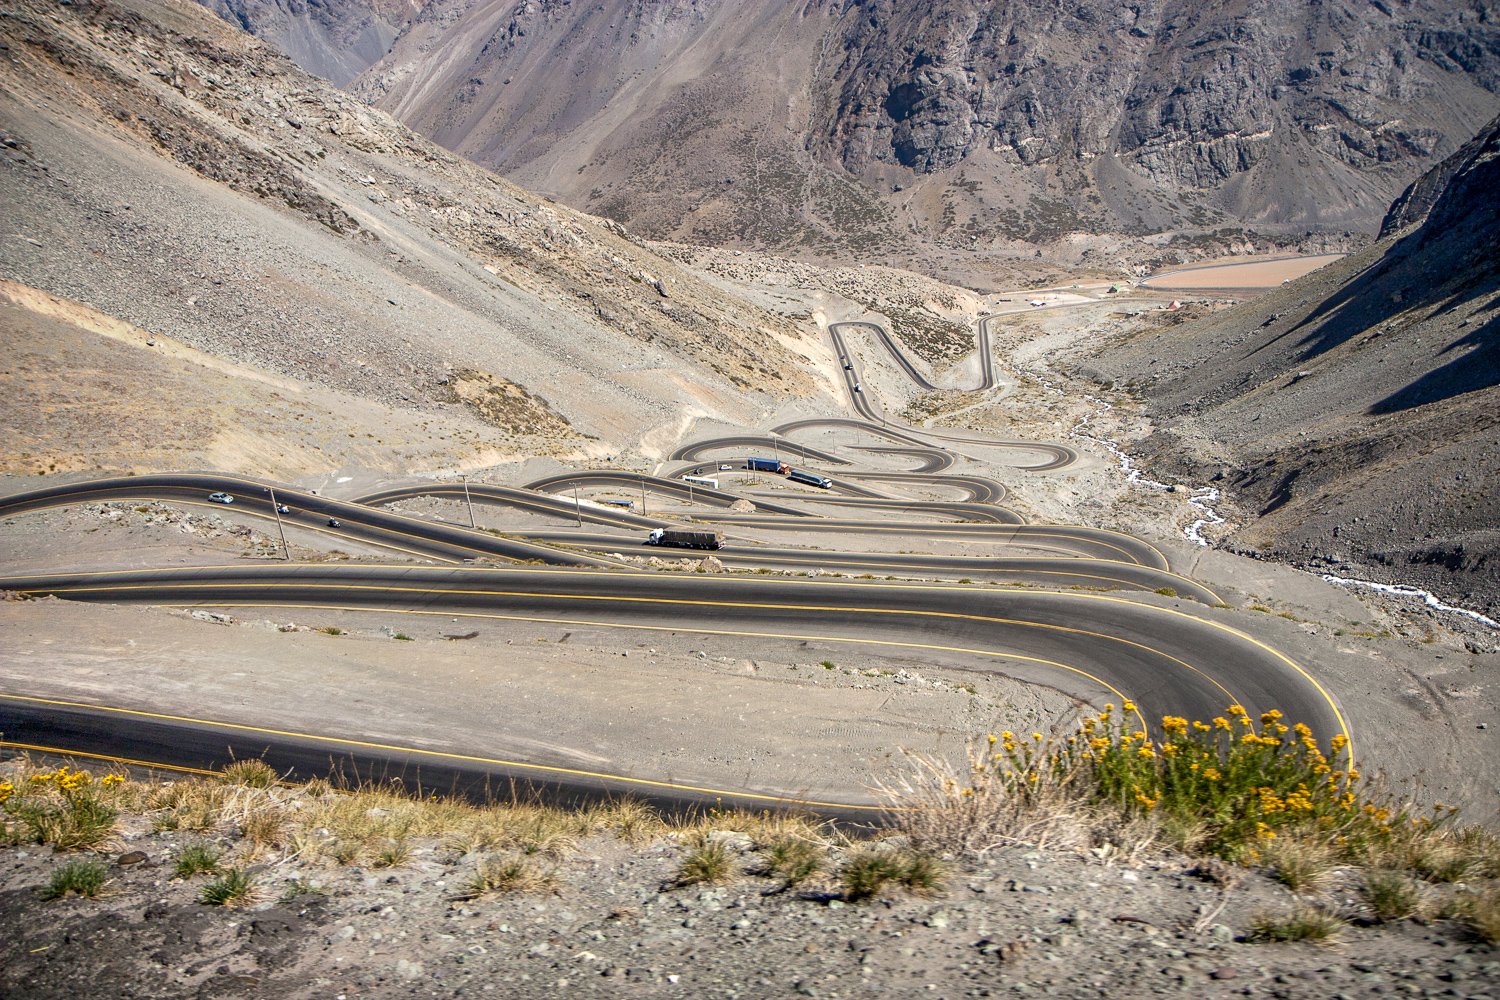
(1057, 630)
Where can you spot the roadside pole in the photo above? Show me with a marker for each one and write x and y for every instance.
(577, 508)
(286, 552)
(643, 494)
(468, 500)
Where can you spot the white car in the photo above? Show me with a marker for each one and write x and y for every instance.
(857, 387)
(220, 498)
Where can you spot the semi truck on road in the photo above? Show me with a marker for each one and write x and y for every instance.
(684, 539)
(767, 465)
(810, 479)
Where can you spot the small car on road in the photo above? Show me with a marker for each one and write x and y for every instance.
(220, 498)
(333, 522)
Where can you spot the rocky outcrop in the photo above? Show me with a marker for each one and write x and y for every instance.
(977, 124)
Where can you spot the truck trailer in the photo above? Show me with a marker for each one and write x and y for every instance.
(677, 539)
(810, 479)
(767, 465)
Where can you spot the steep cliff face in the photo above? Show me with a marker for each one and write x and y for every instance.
(1355, 414)
(960, 123)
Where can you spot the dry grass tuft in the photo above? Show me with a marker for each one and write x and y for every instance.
(511, 874)
(794, 859)
(1393, 895)
(251, 774)
(1303, 862)
(707, 860)
(970, 813)
(1301, 923)
(1482, 915)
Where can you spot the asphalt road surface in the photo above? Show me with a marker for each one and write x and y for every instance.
(1096, 646)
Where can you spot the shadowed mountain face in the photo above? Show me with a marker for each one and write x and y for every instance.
(954, 123)
(1356, 413)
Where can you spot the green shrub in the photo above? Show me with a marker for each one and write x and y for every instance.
(236, 887)
(197, 858)
(1236, 785)
(61, 807)
(794, 860)
(867, 872)
(84, 878)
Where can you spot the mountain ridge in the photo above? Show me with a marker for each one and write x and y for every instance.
(846, 126)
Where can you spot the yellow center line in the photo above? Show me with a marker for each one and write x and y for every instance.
(40, 748)
(439, 754)
(1074, 596)
(430, 592)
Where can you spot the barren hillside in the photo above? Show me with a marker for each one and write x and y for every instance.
(868, 125)
(1356, 412)
(174, 173)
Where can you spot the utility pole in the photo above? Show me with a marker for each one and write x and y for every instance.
(577, 507)
(286, 552)
(468, 500)
(643, 494)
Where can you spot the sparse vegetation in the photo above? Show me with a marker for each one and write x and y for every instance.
(197, 859)
(251, 774)
(1392, 895)
(868, 871)
(1482, 915)
(794, 859)
(508, 875)
(85, 877)
(235, 887)
(707, 860)
(62, 807)
(1301, 923)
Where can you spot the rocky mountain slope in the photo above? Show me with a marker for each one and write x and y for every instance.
(176, 174)
(842, 125)
(334, 39)
(1355, 414)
